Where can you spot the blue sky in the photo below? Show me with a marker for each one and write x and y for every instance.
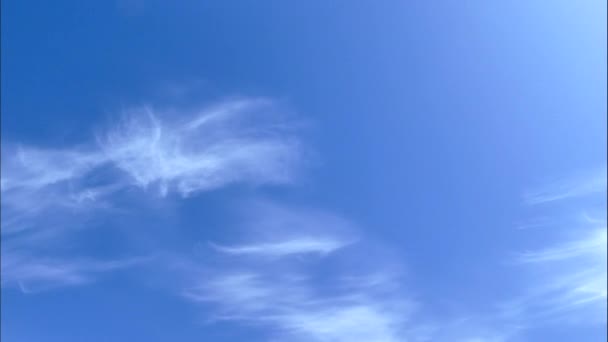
(303, 171)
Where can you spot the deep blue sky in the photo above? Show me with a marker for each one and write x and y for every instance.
(452, 141)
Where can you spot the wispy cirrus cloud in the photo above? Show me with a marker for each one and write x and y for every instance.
(571, 278)
(238, 141)
(294, 308)
(569, 275)
(46, 191)
(32, 169)
(32, 273)
(37, 181)
(294, 246)
(592, 245)
(289, 296)
(280, 277)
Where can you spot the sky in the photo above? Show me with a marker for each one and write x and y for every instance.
(303, 171)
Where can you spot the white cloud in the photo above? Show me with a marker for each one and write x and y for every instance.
(289, 296)
(571, 278)
(592, 245)
(295, 304)
(297, 310)
(238, 141)
(39, 185)
(47, 191)
(568, 277)
(355, 321)
(294, 246)
(287, 283)
(32, 168)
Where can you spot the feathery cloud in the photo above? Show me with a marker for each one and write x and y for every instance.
(572, 278)
(569, 277)
(295, 309)
(47, 191)
(239, 141)
(289, 298)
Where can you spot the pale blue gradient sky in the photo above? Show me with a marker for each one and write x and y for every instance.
(303, 171)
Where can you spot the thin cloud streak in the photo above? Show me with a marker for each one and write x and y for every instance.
(35, 273)
(569, 277)
(591, 245)
(37, 181)
(302, 245)
(32, 169)
(574, 278)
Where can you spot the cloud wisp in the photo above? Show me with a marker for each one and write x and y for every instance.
(31, 273)
(569, 276)
(38, 181)
(239, 141)
(576, 187)
(295, 246)
(45, 191)
(309, 275)
(289, 295)
(294, 308)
